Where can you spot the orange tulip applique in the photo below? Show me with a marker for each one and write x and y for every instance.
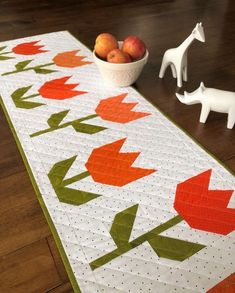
(29, 48)
(70, 59)
(105, 165)
(108, 165)
(66, 59)
(58, 90)
(115, 110)
(54, 89)
(78, 124)
(202, 208)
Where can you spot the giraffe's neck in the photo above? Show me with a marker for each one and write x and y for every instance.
(186, 43)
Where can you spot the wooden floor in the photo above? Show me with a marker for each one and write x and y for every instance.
(29, 260)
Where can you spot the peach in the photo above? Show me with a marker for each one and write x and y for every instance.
(104, 43)
(134, 46)
(118, 56)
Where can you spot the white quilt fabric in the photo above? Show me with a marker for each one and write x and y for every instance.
(85, 229)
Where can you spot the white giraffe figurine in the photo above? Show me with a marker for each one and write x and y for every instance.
(177, 57)
(211, 100)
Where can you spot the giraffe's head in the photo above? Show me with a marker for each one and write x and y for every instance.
(198, 32)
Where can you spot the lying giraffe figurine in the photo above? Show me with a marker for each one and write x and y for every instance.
(177, 57)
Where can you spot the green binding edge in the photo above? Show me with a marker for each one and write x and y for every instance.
(40, 199)
(43, 206)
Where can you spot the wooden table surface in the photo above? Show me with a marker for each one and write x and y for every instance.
(29, 260)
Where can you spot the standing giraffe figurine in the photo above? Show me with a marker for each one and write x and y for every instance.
(177, 57)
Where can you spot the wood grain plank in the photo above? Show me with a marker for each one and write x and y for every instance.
(57, 259)
(10, 158)
(64, 288)
(29, 269)
(230, 162)
(21, 218)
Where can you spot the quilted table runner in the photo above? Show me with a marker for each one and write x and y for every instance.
(134, 204)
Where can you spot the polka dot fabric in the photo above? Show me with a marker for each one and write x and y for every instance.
(170, 155)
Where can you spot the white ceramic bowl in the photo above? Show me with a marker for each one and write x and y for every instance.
(121, 74)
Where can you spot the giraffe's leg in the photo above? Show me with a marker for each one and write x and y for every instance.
(231, 118)
(204, 113)
(185, 73)
(185, 68)
(179, 74)
(165, 64)
(173, 70)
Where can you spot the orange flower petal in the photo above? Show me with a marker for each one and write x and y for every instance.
(113, 109)
(57, 89)
(202, 208)
(108, 166)
(69, 59)
(29, 48)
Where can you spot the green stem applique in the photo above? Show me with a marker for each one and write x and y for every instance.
(22, 66)
(4, 53)
(55, 120)
(64, 193)
(165, 247)
(76, 178)
(30, 96)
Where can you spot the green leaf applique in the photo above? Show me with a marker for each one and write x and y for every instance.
(163, 246)
(64, 193)
(22, 102)
(55, 120)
